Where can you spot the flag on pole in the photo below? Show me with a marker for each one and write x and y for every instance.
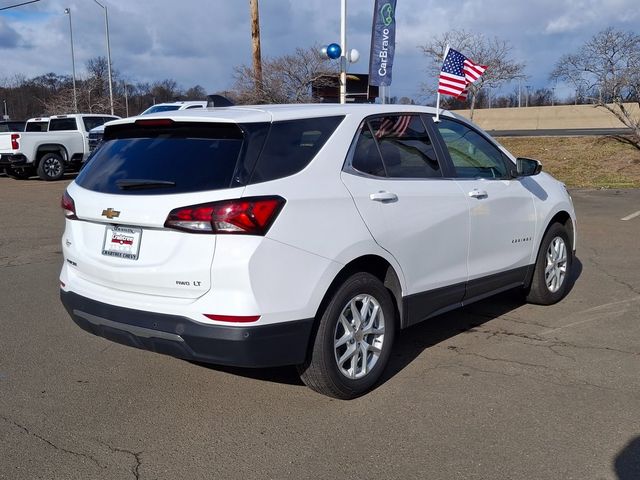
(457, 73)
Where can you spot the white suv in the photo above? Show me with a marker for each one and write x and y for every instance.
(303, 234)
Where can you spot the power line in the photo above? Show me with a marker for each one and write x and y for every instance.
(19, 5)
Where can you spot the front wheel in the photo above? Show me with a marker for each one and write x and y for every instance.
(51, 167)
(550, 281)
(354, 339)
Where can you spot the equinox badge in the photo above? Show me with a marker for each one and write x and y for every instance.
(110, 213)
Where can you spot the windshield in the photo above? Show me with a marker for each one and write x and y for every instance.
(160, 108)
(92, 122)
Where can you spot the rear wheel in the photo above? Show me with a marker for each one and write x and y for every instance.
(51, 167)
(553, 267)
(19, 173)
(354, 339)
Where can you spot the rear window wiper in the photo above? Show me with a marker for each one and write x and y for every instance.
(137, 184)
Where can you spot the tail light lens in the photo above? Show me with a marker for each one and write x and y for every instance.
(68, 206)
(233, 318)
(246, 216)
(15, 144)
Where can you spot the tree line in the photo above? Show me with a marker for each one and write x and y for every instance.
(52, 94)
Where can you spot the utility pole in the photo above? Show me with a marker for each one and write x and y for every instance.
(255, 41)
(73, 62)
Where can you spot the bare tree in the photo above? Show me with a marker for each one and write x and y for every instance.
(285, 79)
(607, 69)
(492, 52)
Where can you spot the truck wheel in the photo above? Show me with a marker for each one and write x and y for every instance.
(18, 173)
(352, 345)
(51, 167)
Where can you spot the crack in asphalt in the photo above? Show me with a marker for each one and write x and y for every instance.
(553, 344)
(458, 351)
(135, 469)
(597, 264)
(48, 442)
(572, 384)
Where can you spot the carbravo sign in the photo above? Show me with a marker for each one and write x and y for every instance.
(383, 42)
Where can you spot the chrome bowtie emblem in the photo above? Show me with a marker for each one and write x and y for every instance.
(110, 213)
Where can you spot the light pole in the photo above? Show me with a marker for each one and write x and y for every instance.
(106, 24)
(343, 46)
(73, 62)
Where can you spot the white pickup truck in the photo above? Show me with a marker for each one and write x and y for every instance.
(49, 154)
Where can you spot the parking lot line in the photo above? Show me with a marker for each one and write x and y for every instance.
(633, 215)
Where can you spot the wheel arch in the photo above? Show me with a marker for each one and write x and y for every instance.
(377, 266)
(51, 148)
(561, 217)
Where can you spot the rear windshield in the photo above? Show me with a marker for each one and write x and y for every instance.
(37, 126)
(180, 158)
(183, 157)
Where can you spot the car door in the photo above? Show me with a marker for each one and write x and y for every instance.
(412, 211)
(502, 210)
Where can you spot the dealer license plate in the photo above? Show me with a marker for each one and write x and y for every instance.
(122, 242)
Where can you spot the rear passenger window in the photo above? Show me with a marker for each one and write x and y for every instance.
(366, 158)
(291, 145)
(396, 146)
(61, 124)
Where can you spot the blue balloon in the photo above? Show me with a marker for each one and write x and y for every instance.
(334, 51)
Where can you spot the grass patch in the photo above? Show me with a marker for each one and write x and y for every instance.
(582, 162)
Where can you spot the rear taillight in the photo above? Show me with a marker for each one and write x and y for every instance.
(233, 318)
(68, 206)
(15, 144)
(155, 122)
(245, 216)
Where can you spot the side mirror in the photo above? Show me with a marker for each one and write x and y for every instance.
(526, 167)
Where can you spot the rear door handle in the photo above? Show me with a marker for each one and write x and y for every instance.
(384, 197)
(475, 193)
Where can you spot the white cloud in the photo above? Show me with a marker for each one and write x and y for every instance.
(199, 41)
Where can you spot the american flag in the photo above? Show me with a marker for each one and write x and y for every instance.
(457, 72)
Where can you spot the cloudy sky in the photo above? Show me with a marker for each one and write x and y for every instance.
(199, 41)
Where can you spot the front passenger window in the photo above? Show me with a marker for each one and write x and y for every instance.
(473, 156)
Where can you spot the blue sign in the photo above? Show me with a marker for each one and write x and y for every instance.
(383, 42)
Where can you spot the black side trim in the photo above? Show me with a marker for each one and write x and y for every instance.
(241, 346)
(486, 286)
(421, 306)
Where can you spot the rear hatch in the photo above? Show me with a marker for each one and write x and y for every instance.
(124, 195)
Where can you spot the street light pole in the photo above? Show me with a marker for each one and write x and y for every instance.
(343, 57)
(73, 62)
(106, 23)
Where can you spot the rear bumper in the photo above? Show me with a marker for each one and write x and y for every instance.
(247, 346)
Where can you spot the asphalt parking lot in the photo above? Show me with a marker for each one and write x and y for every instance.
(497, 390)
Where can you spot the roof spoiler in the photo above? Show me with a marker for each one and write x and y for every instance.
(218, 101)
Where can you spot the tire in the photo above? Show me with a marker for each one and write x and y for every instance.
(51, 167)
(344, 360)
(18, 173)
(550, 282)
